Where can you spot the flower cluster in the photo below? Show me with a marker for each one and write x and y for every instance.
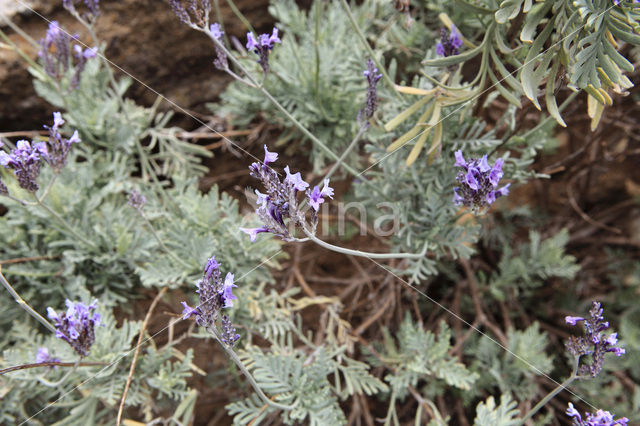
(600, 418)
(215, 294)
(59, 147)
(56, 53)
(197, 9)
(76, 325)
(263, 46)
(594, 343)
(371, 73)
(25, 161)
(93, 9)
(478, 182)
(44, 356)
(220, 61)
(449, 42)
(281, 200)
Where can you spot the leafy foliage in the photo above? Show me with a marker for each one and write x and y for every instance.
(488, 414)
(420, 354)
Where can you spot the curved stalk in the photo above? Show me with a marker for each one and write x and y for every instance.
(24, 305)
(64, 222)
(554, 392)
(346, 152)
(159, 240)
(234, 357)
(366, 254)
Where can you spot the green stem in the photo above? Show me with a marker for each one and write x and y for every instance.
(240, 16)
(346, 152)
(19, 51)
(355, 26)
(159, 240)
(24, 305)
(64, 222)
(366, 254)
(234, 357)
(554, 392)
(48, 188)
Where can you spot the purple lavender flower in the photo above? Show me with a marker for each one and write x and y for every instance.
(449, 43)
(478, 183)
(371, 73)
(316, 197)
(44, 356)
(214, 295)
(594, 343)
(220, 61)
(136, 200)
(280, 201)
(76, 325)
(25, 161)
(600, 418)
(262, 46)
(197, 9)
(57, 52)
(59, 147)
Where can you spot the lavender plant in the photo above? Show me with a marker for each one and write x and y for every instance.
(122, 211)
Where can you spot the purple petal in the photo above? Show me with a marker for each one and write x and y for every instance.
(253, 232)
(227, 288)
(460, 159)
(75, 138)
(295, 180)
(327, 191)
(483, 164)
(188, 311)
(572, 320)
(269, 157)
(216, 32)
(251, 41)
(471, 179)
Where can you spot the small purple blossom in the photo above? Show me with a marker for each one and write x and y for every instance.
(253, 232)
(449, 42)
(25, 161)
(136, 200)
(196, 14)
(216, 31)
(269, 157)
(600, 418)
(227, 287)
(262, 46)
(316, 197)
(478, 182)
(57, 52)
(280, 203)
(295, 180)
(43, 355)
(220, 61)
(76, 325)
(59, 147)
(214, 295)
(595, 343)
(372, 75)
